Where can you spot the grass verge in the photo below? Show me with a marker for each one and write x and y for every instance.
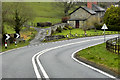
(80, 31)
(12, 46)
(28, 35)
(99, 55)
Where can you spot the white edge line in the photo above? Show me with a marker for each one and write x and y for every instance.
(12, 50)
(42, 52)
(91, 67)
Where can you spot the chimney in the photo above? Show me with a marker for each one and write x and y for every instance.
(89, 4)
(95, 3)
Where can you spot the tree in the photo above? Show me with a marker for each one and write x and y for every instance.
(112, 18)
(19, 13)
(5, 12)
(66, 6)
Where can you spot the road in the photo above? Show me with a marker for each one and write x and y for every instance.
(42, 32)
(55, 60)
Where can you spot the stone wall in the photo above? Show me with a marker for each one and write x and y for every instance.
(62, 25)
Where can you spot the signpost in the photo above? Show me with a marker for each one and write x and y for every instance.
(16, 35)
(104, 27)
(7, 36)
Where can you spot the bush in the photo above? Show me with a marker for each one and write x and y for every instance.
(44, 24)
(65, 19)
(113, 28)
(70, 27)
(65, 28)
(98, 26)
(66, 25)
(59, 29)
(52, 32)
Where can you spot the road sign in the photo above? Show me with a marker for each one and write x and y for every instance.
(7, 36)
(16, 35)
(104, 27)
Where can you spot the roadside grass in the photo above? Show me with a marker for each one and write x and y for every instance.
(100, 55)
(80, 31)
(12, 46)
(55, 40)
(27, 35)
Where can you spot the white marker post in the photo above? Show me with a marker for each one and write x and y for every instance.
(104, 27)
(7, 37)
(16, 36)
(5, 44)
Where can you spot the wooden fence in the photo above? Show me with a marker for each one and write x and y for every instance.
(113, 45)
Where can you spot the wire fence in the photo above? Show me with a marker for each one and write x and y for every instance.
(113, 45)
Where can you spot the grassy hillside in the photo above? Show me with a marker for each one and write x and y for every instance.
(46, 9)
(43, 12)
(46, 12)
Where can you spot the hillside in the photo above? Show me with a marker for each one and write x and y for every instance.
(43, 12)
(46, 12)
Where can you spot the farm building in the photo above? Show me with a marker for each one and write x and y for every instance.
(81, 15)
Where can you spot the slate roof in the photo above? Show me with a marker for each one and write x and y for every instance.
(86, 9)
(77, 19)
(97, 8)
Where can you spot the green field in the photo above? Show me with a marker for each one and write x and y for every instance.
(46, 9)
(101, 56)
(43, 12)
(44, 19)
(46, 12)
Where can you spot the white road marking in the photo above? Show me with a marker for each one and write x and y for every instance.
(102, 72)
(12, 50)
(37, 55)
(35, 67)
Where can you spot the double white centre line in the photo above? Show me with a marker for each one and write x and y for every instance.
(36, 61)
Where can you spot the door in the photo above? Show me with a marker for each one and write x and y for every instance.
(77, 24)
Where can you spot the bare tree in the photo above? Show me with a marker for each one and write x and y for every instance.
(66, 6)
(19, 13)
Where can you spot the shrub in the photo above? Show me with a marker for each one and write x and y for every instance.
(41, 24)
(113, 27)
(70, 27)
(66, 25)
(98, 26)
(64, 19)
(52, 32)
(59, 29)
(65, 28)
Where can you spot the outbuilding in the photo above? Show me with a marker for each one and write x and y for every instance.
(79, 16)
